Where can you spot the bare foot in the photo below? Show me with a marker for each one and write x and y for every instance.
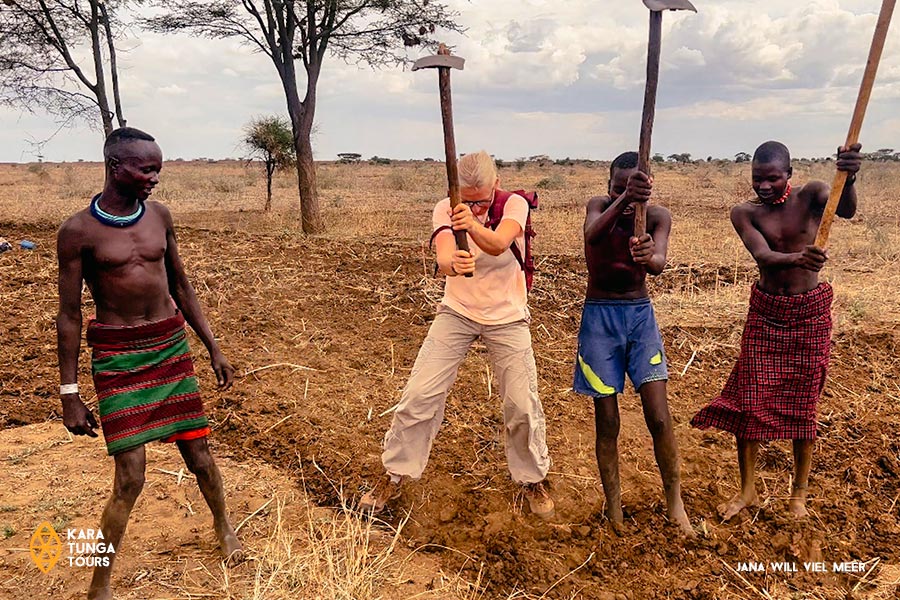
(797, 503)
(618, 528)
(616, 519)
(230, 546)
(104, 593)
(614, 514)
(678, 516)
(737, 504)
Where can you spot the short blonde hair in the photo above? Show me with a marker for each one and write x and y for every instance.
(477, 170)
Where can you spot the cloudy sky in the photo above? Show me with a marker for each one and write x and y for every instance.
(557, 77)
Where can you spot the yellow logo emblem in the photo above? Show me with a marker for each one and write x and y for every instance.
(46, 547)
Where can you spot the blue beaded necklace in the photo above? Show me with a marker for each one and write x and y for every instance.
(115, 220)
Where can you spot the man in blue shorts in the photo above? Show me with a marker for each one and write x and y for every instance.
(619, 333)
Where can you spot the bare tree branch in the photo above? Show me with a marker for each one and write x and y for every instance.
(63, 47)
(375, 32)
(113, 63)
(39, 68)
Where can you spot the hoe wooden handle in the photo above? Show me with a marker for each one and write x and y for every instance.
(462, 241)
(859, 113)
(653, 50)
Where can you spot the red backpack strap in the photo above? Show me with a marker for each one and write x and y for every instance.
(527, 262)
(435, 233)
(495, 215)
(495, 212)
(530, 197)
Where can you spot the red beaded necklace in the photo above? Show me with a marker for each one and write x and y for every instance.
(784, 197)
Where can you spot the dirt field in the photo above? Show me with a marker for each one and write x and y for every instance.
(324, 330)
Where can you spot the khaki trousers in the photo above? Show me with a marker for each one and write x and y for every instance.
(417, 419)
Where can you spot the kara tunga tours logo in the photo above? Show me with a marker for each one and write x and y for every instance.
(77, 548)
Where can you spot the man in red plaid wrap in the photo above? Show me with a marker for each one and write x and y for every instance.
(774, 388)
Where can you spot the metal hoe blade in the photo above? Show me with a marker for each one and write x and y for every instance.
(660, 5)
(439, 60)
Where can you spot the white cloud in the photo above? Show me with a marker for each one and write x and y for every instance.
(542, 76)
(172, 90)
(687, 57)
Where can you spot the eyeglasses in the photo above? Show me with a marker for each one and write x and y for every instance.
(480, 203)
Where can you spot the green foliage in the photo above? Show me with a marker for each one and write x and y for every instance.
(298, 35)
(882, 155)
(271, 140)
(683, 158)
(378, 160)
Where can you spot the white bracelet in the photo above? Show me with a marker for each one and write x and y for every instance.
(68, 388)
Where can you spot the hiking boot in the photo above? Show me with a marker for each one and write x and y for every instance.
(375, 499)
(539, 500)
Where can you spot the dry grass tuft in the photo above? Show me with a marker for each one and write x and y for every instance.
(335, 556)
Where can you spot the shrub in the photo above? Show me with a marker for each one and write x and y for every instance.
(554, 182)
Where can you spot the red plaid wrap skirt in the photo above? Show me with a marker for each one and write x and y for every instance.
(773, 390)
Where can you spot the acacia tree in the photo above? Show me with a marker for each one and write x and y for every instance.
(373, 32)
(40, 67)
(682, 158)
(270, 139)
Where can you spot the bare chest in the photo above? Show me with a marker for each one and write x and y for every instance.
(143, 244)
(788, 229)
(617, 247)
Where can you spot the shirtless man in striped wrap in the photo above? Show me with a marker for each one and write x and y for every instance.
(124, 248)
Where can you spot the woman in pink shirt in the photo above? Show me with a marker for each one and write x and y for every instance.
(492, 304)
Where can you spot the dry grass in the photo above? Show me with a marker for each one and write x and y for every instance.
(295, 550)
(341, 555)
(337, 555)
(331, 553)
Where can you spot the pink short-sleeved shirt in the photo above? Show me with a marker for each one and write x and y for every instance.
(496, 293)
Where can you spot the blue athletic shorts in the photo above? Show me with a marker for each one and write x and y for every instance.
(618, 336)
